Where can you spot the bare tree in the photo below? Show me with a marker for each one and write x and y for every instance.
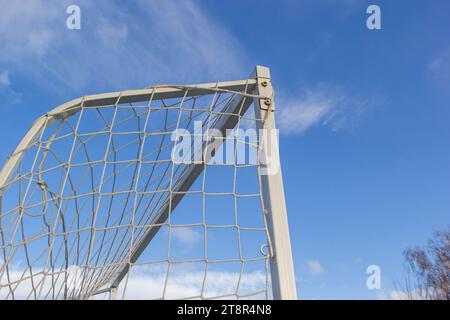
(428, 269)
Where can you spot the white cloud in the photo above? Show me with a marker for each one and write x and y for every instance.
(25, 28)
(440, 66)
(148, 282)
(440, 61)
(323, 104)
(315, 268)
(118, 47)
(108, 31)
(7, 94)
(381, 295)
(186, 235)
(397, 295)
(39, 41)
(4, 79)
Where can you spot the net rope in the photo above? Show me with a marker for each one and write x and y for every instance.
(97, 205)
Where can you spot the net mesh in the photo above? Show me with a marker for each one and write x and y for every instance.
(97, 201)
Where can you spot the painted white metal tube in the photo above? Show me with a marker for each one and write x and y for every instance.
(281, 262)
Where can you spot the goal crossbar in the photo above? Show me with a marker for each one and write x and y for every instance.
(155, 93)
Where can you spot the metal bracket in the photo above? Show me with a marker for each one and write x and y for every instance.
(266, 92)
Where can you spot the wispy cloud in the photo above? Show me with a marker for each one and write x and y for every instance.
(4, 79)
(7, 93)
(439, 66)
(118, 47)
(315, 268)
(323, 104)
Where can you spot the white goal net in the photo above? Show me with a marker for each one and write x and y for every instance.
(160, 193)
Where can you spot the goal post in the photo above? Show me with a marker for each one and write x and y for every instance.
(93, 202)
(281, 262)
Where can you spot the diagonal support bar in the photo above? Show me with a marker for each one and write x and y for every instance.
(237, 107)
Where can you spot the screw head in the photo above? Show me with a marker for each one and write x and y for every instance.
(264, 83)
(268, 102)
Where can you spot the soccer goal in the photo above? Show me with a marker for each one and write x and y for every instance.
(169, 192)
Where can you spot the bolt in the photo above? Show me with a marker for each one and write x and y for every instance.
(268, 102)
(264, 83)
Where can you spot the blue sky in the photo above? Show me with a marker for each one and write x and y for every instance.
(363, 113)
